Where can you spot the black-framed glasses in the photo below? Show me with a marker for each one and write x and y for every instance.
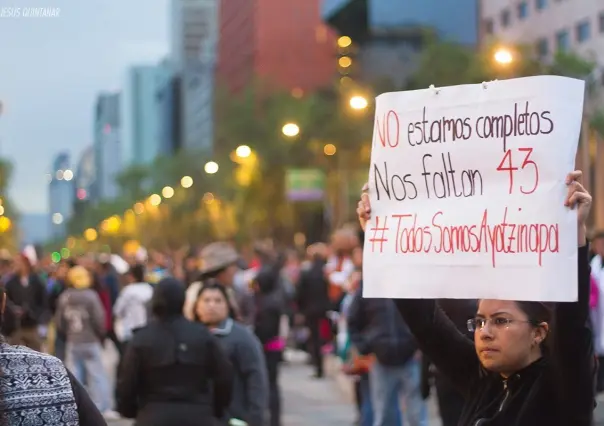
(498, 323)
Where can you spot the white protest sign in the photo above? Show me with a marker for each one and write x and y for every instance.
(467, 192)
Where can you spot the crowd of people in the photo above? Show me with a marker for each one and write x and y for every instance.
(201, 337)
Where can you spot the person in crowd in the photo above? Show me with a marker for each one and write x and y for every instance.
(6, 266)
(250, 388)
(219, 263)
(108, 285)
(81, 318)
(37, 389)
(131, 307)
(520, 370)
(313, 301)
(270, 306)
(29, 301)
(597, 299)
(376, 328)
(339, 265)
(174, 371)
(57, 287)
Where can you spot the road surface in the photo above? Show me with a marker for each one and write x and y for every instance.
(308, 401)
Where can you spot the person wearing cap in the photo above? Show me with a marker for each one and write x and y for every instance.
(219, 262)
(81, 317)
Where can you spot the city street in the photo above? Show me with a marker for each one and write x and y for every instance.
(308, 401)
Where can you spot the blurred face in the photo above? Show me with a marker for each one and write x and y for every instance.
(505, 341)
(21, 266)
(227, 276)
(212, 307)
(62, 269)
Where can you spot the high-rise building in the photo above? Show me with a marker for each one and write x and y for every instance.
(61, 193)
(552, 26)
(168, 112)
(388, 35)
(140, 111)
(107, 150)
(548, 25)
(194, 33)
(282, 42)
(85, 178)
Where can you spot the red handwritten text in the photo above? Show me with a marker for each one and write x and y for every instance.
(480, 237)
(388, 131)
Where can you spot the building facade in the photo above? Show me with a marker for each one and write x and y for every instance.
(285, 43)
(61, 194)
(550, 25)
(388, 35)
(107, 147)
(140, 131)
(194, 38)
(560, 25)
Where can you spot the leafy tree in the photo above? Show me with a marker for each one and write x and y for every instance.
(132, 181)
(7, 236)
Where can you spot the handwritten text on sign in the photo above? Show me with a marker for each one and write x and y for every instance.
(467, 192)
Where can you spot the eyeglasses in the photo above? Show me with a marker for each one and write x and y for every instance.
(498, 323)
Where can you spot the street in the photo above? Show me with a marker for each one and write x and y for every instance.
(308, 401)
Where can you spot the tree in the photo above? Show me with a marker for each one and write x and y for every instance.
(132, 181)
(9, 217)
(256, 118)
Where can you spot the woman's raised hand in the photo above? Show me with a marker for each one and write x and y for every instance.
(364, 207)
(577, 196)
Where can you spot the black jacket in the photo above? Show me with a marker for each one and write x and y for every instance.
(375, 327)
(557, 390)
(32, 298)
(174, 373)
(312, 291)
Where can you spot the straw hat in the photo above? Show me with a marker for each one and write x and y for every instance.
(217, 256)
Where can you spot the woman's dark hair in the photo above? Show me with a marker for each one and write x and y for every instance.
(137, 272)
(213, 285)
(537, 313)
(168, 298)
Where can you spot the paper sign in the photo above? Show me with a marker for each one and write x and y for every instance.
(467, 192)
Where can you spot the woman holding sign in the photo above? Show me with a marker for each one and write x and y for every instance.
(521, 370)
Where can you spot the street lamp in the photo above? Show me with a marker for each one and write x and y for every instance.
(243, 151)
(167, 192)
(211, 167)
(155, 200)
(358, 102)
(503, 56)
(344, 41)
(186, 182)
(290, 130)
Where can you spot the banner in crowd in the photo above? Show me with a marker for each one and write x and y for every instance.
(467, 188)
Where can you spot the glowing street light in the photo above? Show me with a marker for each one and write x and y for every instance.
(503, 56)
(345, 61)
(243, 151)
(344, 41)
(329, 149)
(155, 200)
(67, 175)
(57, 218)
(358, 102)
(211, 167)
(290, 130)
(167, 192)
(139, 208)
(186, 182)
(90, 235)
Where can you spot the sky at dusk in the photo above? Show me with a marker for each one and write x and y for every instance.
(51, 70)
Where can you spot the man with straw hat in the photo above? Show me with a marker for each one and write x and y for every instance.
(219, 262)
